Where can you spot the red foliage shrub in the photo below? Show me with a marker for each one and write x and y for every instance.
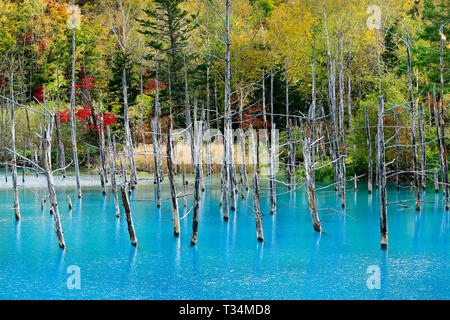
(39, 93)
(252, 116)
(151, 86)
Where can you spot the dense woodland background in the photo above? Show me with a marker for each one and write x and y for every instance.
(274, 35)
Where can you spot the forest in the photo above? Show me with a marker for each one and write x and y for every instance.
(300, 93)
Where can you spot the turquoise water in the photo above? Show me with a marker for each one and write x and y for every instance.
(294, 262)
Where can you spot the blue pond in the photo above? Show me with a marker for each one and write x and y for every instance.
(294, 262)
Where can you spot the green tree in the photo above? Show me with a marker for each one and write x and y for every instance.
(167, 29)
(427, 51)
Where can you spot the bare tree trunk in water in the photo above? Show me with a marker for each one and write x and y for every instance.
(229, 161)
(421, 125)
(155, 158)
(397, 142)
(197, 140)
(342, 170)
(184, 188)
(382, 175)
(413, 125)
(102, 140)
(128, 140)
(309, 171)
(72, 109)
(102, 170)
(369, 151)
(442, 121)
(142, 114)
(69, 202)
(436, 180)
(50, 182)
(173, 190)
(126, 206)
(256, 199)
(112, 167)
(13, 149)
(62, 156)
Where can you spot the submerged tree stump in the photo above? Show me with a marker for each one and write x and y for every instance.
(382, 175)
(436, 180)
(112, 166)
(413, 125)
(69, 202)
(129, 218)
(155, 158)
(256, 198)
(397, 141)
(173, 191)
(13, 149)
(53, 203)
(197, 164)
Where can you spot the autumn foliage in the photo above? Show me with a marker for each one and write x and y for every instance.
(86, 115)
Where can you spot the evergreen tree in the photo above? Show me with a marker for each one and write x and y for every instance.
(121, 61)
(167, 29)
(427, 52)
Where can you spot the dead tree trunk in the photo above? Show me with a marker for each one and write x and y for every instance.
(184, 188)
(158, 121)
(23, 162)
(229, 163)
(202, 180)
(333, 112)
(442, 119)
(30, 142)
(382, 175)
(142, 113)
(50, 182)
(155, 158)
(128, 140)
(294, 158)
(174, 146)
(102, 140)
(289, 167)
(224, 178)
(62, 157)
(197, 141)
(207, 124)
(126, 206)
(102, 171)
(72, 109)
(413, 124)
(377, 182)
(436, 180)
(123, 164)
(421, 124)
(102, 180)
(397, 141)
(256, 199)
(438, 116)
(242, 145)
(309, 171)
(173, 191)
(13, 149)
(342, 134)
(272, 184)
(88, 156)
(112, 167)
(69, 202)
